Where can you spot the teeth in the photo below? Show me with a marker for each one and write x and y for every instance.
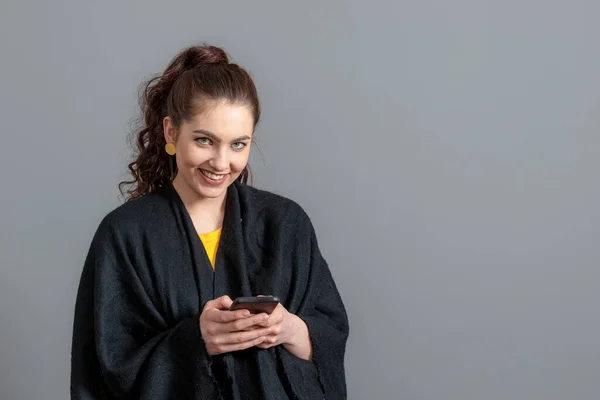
(212, 176)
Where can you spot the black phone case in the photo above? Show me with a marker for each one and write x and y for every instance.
(255, 305)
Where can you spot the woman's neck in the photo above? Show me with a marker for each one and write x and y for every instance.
(206, 213)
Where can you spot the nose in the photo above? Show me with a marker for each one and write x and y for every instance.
(219, 160)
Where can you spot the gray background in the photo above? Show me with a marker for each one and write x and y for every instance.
(447, 152)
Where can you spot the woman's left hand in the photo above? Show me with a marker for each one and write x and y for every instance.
(288, 330)
(283, 326)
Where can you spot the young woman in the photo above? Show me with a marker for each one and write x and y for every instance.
(152, 316)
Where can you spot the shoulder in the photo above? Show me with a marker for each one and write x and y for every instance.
(277, 220)
(272, 206)
(135, 215)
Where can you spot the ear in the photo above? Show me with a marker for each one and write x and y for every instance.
(169, 130)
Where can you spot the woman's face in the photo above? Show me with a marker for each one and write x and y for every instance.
(212, 149)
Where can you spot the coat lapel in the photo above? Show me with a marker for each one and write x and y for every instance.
(203, 272)
(231, 276)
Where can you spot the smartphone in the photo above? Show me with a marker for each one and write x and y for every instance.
(256, 305)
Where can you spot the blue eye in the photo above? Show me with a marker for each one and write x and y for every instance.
(239, 145)
(203, 140)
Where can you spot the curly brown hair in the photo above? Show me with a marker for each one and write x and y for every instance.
(196, 75)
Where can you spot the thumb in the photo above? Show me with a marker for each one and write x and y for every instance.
(219, 303)
(225, 301)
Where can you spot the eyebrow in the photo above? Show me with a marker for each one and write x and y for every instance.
(218, 139)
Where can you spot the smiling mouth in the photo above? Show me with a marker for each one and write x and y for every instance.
(212, 176)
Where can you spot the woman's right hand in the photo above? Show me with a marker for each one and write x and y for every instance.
(227, 331)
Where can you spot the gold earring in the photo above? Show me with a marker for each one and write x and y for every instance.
(170, 148)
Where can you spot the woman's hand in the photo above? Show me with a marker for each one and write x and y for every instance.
(288, 330)
(227, 331)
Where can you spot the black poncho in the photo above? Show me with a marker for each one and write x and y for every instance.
(147, 277)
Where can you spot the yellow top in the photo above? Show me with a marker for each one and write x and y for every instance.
(211, 244)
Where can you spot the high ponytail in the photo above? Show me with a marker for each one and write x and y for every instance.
(195, 76)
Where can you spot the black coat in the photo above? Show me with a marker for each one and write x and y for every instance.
(147, 277)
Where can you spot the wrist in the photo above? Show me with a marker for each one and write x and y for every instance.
(299, 332)
(299, 343)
